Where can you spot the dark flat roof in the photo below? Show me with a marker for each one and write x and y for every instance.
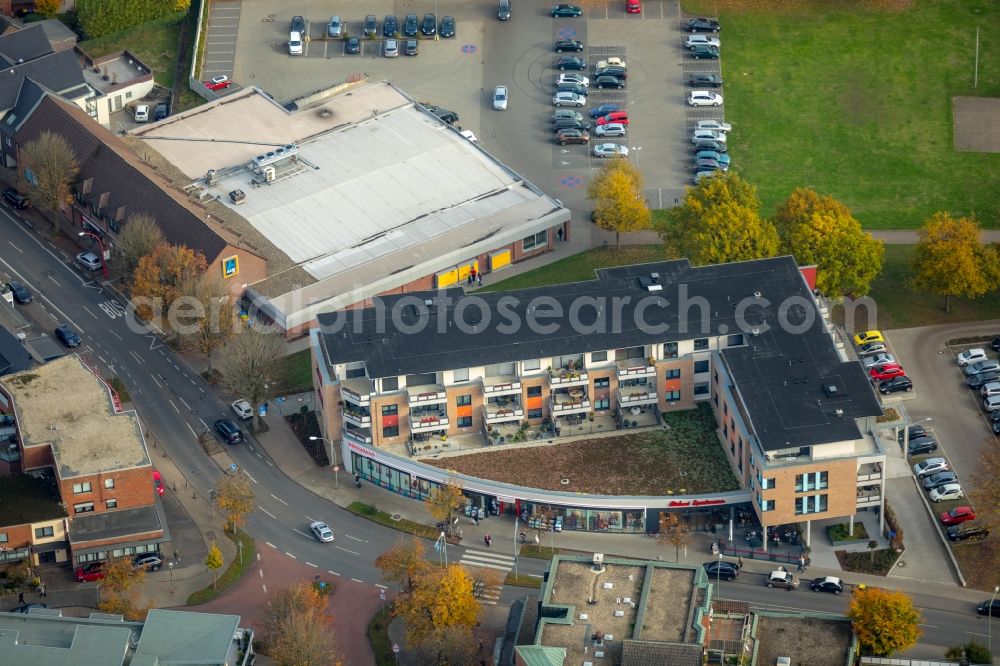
(27, 499)
(116, 524)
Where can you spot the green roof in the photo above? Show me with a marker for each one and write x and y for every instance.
(541, 655)
(27, 499)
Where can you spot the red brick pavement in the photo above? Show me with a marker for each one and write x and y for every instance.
(352, 604)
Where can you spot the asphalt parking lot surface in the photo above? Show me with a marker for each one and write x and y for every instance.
(460, 74)
(220, 38)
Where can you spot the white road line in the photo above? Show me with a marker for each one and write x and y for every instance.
(355, 538)
(203, 422)
(102, 359)
(173, 405)
(16, 247)
(382, 586)
(265, 588)
(153, 377)
(302, 533)
(271, 545)
(311, 520)
(89, 312)
(968, 632)
(54, 281)
(291, 556)
(357, 581)
(21, 278)
(248, 474)
(201, 389)
(348, 551)
(267, 512)
(261, 572)
(312, 565)
(191, 429)
(330, 571)
(279, 499)
(117, 336)
(183, 402)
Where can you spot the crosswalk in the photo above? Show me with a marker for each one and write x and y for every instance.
(482, 559)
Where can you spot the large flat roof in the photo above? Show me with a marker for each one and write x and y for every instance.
(64, 404)
(380, 192)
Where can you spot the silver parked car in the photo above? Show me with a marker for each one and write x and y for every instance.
(500, 98)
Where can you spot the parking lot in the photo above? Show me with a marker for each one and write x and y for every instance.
(461, 73)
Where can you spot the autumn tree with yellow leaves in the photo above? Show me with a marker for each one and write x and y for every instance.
(298, 631)
(163, 275)
(618, 204)
(884, 621)
(951, 260)
(441, 602)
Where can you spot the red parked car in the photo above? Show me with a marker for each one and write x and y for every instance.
(88, 573)
(614, 117)
(959, 514)
(883, 372)
(158, 483)
(633, 6)
(218, 82)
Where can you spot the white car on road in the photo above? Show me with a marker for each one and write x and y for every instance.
(704, 98)
(89, 260)
(322, 531)
(500, 98)
(610, 149)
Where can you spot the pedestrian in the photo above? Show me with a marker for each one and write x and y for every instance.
(802, 563)
(41, 589)
(523, 537)
(536, 539)
(559, 234)
(468, 279)
(177, 557)
(20, 598)
(479, 278)
(781, 567)
(740, 561)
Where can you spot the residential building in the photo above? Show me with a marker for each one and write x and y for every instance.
(72, 433)
(353, 192)
(415, 374)
(44, 637)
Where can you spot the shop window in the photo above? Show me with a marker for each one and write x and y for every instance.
(534, 241)
(112, 503)
(390, 431)
(673, 373)
(672, 396)
(79, 488)
(42, 532)
(700, 367)
(602, 405)
(85, 507)
(390, 384)
(461, 375)
(464, 421)
(701, 344)
(109, 483)
(701, 389)
(602, 382)
(534, 413)
(533, 364)
(464, 400)
(598, 356)
(735, 340)
(534, 391)
(670, 350)
(390, 410)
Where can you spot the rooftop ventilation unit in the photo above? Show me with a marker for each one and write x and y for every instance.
(650, 282)
(272, 156)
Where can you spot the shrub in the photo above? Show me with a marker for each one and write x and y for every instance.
(106, 17)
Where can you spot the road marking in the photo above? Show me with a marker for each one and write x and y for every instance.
(102, 359)
(279, 499)
(968, 632)
(261, 572)
(191, 429)
(382, 586)
(203, 422)
(21, 278)
(183, 402)
(302, 533)
(139, 360)
(89, 312)
(330, 571)
(929, 626)
(113, 309)
(117, 336)
(312, 565)
(267, 512)
(265, 588)
(357, 581)
(56, 282)
(248, 474)
(291, 556)
(16, 247)
(174, 406)
(153, 377)
(271, 545)
(311, 520)
(355, 538)
(348, 551)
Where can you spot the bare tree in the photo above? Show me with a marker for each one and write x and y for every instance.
(214, 323)
(250, 364)
(48, 168)
(674, 532)
(139, 237)
(298, 628)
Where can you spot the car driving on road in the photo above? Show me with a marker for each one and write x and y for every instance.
(322, 531)
(830, 584)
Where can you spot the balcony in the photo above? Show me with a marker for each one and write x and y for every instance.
(636, 396)
(426, 395)
(869, 473)
(358, 391)
(866, 499)
(574, 401)
(503, 409)
(565, 377)
(634, 368)
(359, 416)
(357, 435)
(501, 386)
(428, 419)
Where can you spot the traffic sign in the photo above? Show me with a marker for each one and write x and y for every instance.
(395, 648)
(336, 468)
(381, 595)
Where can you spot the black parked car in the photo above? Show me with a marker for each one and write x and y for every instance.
(570, 123)
(996, 343)
(569, 45)
(371, 26)
(67, 336)
(573, 88)
(16, 199)
(830, 584)
(967, 531)
(724, 570)
(937, 480)
(21, 293)
(989, 607)
(921, 445)
(429, 26)
(352, 46)
(703, 52)
(447, 27)
(915, 431)
(449, 117)
(705, 80)
(565, 136)
(161, 112)
(977, 381)
(702, 25)
(390, 26)
(228, 431)
(571, 63)
(604, 81)
(410, 47)
(612, 70)
(895, 385)
(410, 25)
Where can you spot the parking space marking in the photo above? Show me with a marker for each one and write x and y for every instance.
(220, 39)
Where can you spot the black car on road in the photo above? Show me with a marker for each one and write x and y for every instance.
(721, 569)
(410, 25)
(989, 607)
(67, 336)
(705, 80)
(569, 45)
(16, 199)
(228, 431)
(830, 584)
(447, 27)
(605, 81)
(20, 292)
(390, 26)
(429, 26)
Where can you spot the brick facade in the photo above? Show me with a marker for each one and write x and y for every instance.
(130, 488)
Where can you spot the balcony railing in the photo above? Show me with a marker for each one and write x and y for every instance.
(357, 391)
(428, 422)
(868, 474)
(634, 368)
(637, 398)
(869, 500)
(357, 436)
(502, 414)
(358, 417)
(563, 377)
(507, 388)
(418, 397)
(562, 404)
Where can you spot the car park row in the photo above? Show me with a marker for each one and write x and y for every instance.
(708, 136)
(391, 36)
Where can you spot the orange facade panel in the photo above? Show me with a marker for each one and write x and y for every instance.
(535, 403)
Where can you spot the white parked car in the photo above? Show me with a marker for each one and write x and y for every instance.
(568, 99)
(930, 466)
(704, 98)
(322, 531)
(610, 149)
(573, 78)
(877, 359)
(716, 125)
(500, 98)
(702, 40)
(707, 135)
(391, 48)
(610, 62)
(242, 409)
(971, 356)
(295, 43)
(949, 491)
(990, 388)
(89, 260)
(610, 129)
(991, 403)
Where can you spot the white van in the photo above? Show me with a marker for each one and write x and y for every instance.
(295, 43)
(142, 113)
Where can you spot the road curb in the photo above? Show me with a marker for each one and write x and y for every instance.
(944, 541)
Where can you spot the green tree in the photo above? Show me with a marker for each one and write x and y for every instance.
(975, 652)
(884, 621)
(49, 167)
(47, 8)
(618, 204)
(950, 259)
(719, 222)
(214, 562)
(235, 497)
(821, 230)
(138, 238)
(250, 363)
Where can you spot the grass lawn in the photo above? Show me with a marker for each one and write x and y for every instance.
(857, 103)
(686, 458)
(296, 374)
(232, 574)
(155, 43)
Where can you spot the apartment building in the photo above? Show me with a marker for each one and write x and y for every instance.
(417, 375)
(73, 437)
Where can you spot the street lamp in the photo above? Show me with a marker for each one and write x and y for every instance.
(906, 435)
(336, 467)
(989, 621)
(718, 572)
(170, 567)
(104, 259)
